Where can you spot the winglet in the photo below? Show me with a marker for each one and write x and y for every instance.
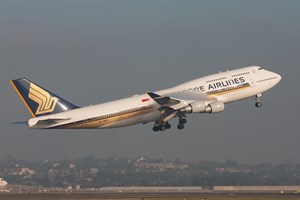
(153, 95)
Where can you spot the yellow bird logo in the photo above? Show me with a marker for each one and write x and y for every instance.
(42, 98)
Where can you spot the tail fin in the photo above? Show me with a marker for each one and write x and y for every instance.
(38, 100)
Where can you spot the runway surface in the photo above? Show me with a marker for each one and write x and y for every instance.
(144, 196)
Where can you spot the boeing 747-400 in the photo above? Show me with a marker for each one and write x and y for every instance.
(208, 94)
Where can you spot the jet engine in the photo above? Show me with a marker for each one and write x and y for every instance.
(204, 107)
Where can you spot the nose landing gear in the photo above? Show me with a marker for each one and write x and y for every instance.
(258, 103)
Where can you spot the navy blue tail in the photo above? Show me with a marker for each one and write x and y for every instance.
(38, 100)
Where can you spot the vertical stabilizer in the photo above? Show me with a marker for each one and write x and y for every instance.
(38, 100)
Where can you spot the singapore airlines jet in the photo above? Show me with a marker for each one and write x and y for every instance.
(203, 95)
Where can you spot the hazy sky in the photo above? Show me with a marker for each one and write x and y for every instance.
(90, 52)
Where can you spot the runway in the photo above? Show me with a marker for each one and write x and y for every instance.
(144, 196)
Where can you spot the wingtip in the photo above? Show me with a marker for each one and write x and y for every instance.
(153, 95)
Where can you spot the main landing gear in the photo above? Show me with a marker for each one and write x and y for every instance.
(258, 103)
(159, 126)
(182, 121)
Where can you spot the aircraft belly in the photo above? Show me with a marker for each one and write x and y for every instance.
(151, 117)
(240, 95)
(112, 121)
(122, 123)
(148, 117)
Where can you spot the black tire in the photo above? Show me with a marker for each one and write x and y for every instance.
(258, 104)
(163, 128)
(182, 121)
(180, 126)
(168, 126)
(155, 128)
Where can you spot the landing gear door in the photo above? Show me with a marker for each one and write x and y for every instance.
(252, 82)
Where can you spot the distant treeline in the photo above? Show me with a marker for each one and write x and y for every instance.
(90, 172)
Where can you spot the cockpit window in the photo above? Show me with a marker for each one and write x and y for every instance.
(260, 68)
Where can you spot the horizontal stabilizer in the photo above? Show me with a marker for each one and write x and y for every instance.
(44, 123)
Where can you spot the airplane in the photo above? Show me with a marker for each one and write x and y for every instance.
(207, 94)
(2, 183)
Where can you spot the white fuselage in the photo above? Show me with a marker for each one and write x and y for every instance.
(226, 87)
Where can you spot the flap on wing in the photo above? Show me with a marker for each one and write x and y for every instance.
(168, 113)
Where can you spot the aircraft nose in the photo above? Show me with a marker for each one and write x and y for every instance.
(278, 78)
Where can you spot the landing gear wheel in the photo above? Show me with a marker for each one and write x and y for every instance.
(163, 128)
(168, 126)
(182, 121)
(155, 128)
(180, 126)
(258, 104)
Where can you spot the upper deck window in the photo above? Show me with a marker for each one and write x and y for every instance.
(260, 68)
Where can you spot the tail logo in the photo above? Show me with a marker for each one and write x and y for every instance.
(43, 99)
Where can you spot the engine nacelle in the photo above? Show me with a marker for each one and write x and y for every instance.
(216, 107)
(203, 107)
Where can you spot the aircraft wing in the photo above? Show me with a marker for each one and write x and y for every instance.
(170, 105)
(179, 99)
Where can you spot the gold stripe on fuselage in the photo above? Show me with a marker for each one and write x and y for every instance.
(98, 122)
(228, 90)
(101, 121)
